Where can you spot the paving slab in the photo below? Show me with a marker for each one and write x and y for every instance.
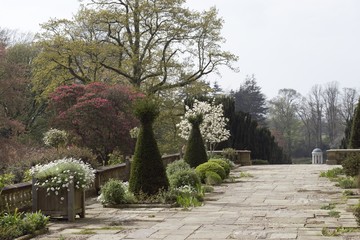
(277, 202)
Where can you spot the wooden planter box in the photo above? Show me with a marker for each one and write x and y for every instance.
(67, 204)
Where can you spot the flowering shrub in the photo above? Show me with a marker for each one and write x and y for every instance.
(134, 132)
(212, 127)
(58, 174)
(98, 116)
(55, 138)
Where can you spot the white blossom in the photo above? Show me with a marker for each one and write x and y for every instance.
(213, 128)
(58, 174)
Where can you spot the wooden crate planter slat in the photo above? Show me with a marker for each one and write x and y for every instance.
(67, 204)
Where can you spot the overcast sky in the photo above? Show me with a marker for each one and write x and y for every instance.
(285, 43)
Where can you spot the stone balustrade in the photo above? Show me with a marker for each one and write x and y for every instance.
(336, 156)
(20, 196)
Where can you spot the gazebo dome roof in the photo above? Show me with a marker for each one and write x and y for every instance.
(317, 150)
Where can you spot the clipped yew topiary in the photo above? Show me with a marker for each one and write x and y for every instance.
(355, 129)
(195, 153)
(148, 174)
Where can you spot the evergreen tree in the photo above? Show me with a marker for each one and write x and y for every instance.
(195, 153)
(355, 129)
(344, 144)
(246, 134)
(148, 173)
(250, 99)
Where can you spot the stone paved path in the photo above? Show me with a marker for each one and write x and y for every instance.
(278, 202)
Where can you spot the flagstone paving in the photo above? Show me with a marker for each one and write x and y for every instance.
(278, 202)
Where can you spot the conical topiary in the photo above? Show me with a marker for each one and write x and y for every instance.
(355, 129)
(148, 174)
(195, 153)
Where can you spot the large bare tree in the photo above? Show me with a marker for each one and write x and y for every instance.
(152, 44)
(331, 95)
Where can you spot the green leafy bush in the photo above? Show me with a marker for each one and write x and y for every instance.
(332, 173)
(13, 225)
(357, 213)
(116, 157)
(184, 177)
(5, 179)
(176, 166)
(188, 196)
(33, 221)
(351, 165)
(224, 163)
(210, 166)
(347, 182)
(212, 178)
(113, 192)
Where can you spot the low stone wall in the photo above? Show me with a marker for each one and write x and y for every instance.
(242, 157)
(20, 196)
(336, 156)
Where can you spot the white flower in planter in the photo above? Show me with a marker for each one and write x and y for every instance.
(57, 175)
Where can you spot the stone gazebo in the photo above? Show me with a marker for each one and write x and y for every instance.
(317, 156)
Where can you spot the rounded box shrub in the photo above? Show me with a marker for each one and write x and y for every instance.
(179, 165)
(212, 178)
(184, 177)
(113, 192)
(222, 162)
(210, 166)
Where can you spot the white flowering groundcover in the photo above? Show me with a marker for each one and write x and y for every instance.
(58, 174)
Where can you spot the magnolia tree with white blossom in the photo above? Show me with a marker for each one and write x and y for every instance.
(213, 126)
